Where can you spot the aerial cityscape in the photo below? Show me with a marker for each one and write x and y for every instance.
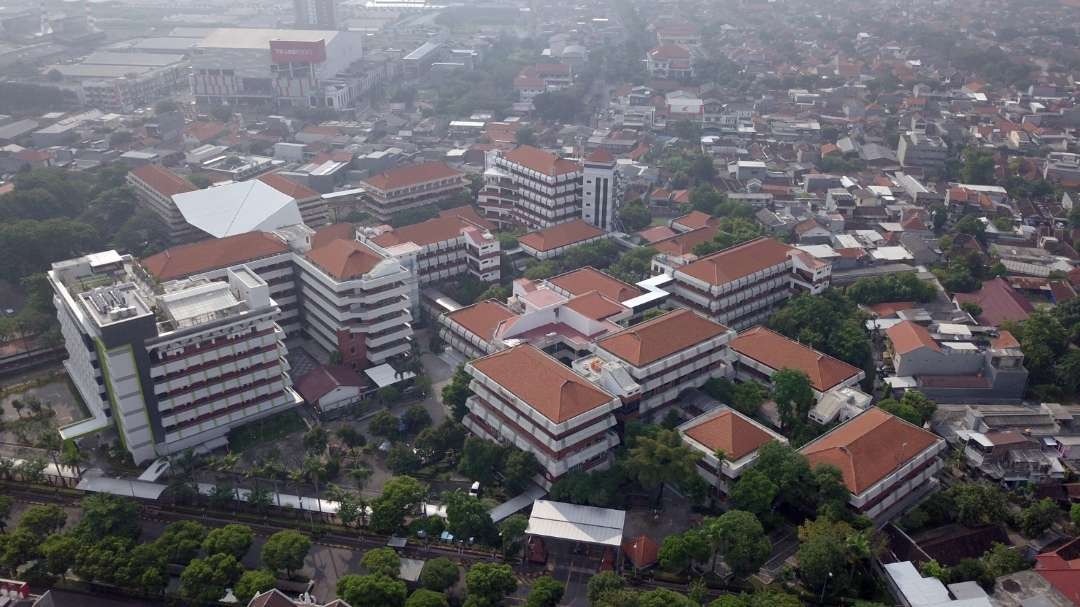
(495, 303)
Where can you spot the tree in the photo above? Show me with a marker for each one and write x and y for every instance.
(382, 561)
(742, 541)
(402, 460)
(545, 592)
(978, 167)
(439, 574)
(525, 136)
(1039, 517)
(427, 598)
(315, 440)
(439, 441)
(59, 551)
(180, 542)
(634, 265)
(748, 396)
(252, 582)
(1074, 514)
(794, 397)
(384, 425)
(18, 547)
(286, 551)
(832, 493)
(481, 460)
(754, 492)
(605, 583)
(43, 520)
(904, 412)
(972, 226)
(823, 555)
(519, 469)
(512, 533)
(542, 269)
(662, 597)
(558, 106)
(400, 495)
(660, 459)
(488, 583)
(6, 503)
(108, 515)
(456, 392)
(635, 216)
(904, 286)
(205, 580)
(467, 518)
(976, 504)
(829, 322)
(371, 591)
(231, 539)
(679, 551)
(351, 437)
(416, 418)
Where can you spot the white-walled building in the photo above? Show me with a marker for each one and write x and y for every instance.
(273, 67)
(530, 187)
(523, 397)
(601, 191)
(412, 186)
(743, 285)
(172, 366)
(725, 430)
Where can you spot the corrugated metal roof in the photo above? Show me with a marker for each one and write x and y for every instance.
(577, 523)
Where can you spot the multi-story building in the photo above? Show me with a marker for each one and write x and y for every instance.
(923, 151)
(125, 81)
(263, 253)
(949, 363)
(530, 187)
(277, 67)
(760, 353)
(355, 300)
(887, 464)
(725, 431)
(533, 80)
(1062, 167)
(743, 285)
(663, 356)
(412, 186)
(601, 191)
(154, 186)
(456, 242)
(523, 397)
(316, 14)
(670, 62)
(553, 241)
(173, 366)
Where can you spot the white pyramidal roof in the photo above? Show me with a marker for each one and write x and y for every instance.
(238, 208)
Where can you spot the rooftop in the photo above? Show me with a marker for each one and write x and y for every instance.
(411, 175)
(287, 186)
(212, 254)
(482, 318)
(583, 280)
(562, 235)
(652, 340)
(907, 336)
(447, 226)
(344, 259)
(868, 447)
(738, 261)
(238, 207)
(162, 180)
(254, 38)
(728, 431)
(779, 352)
(541, 161)
(999, 302)
(542, 382)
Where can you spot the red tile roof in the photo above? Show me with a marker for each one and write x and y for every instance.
(1061, 568)
(908, 336)
(684, 244)
(542, 382)
(320, 381)
(641, 551)
(657, 233)
(778, 352)
(1005, 341)
(694, 220)
(335, 231)
(583, 280)
(163, 181)
(730, 432)
(541, 161)
(595, 306)
(600, 155)
(212, 254)
(738, 261)
(868, 447)
(562, 235)
(652, 340)
(669, 51)
(999, 302)
(482, 318)
(344, 259)
(412, 175)
(447, 226)
(287, 186)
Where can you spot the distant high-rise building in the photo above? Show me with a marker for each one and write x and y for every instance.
(317, 14)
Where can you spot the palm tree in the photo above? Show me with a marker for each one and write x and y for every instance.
(260, 499)
(72, 456)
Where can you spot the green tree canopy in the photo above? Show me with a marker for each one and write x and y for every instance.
(382, 561)
(371, 591)
(252, 582)
(488, 583)
(231, 539)
(285, 551)
(205, 580)
(439, 574)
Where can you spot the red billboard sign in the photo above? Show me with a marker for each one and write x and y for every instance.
(297, 51)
